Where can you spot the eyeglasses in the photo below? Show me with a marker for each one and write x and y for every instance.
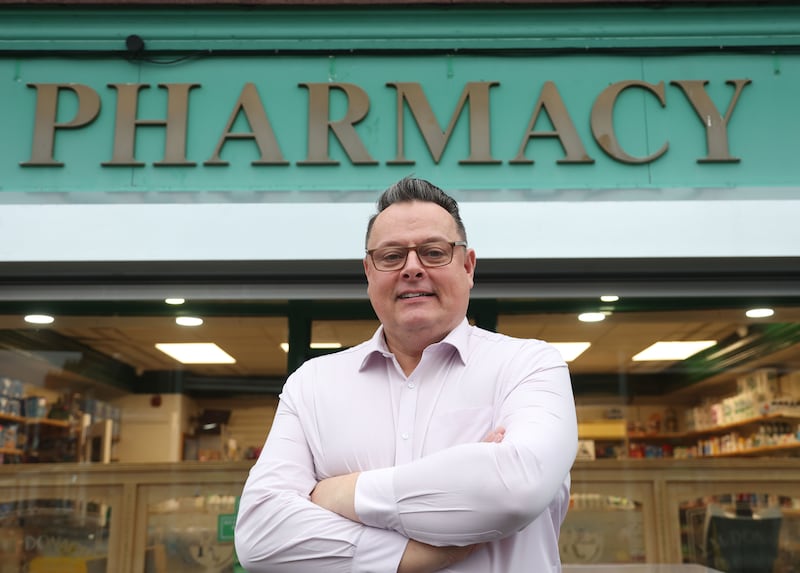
(436, 254)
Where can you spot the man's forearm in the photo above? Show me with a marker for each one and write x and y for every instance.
(337, 494)
(422, 558)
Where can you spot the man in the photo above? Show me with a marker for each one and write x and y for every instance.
(434, 446)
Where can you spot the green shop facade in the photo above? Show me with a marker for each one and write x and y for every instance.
(229, 155)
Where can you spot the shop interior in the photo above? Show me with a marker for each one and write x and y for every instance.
(112, 357)
(97, 381)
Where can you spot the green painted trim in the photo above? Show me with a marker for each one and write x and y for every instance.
(729, 355)
(206, 32)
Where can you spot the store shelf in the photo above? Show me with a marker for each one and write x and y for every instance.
(34, 421)
(758, 451)
(712, 430)
(47, 422)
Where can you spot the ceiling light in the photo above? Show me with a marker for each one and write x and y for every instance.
(315, 345)
(39, 319)
(196, 352)
(759, 313)
(188, 320)
(174, 300)
(571, 350)
(592, 316)
(673, 350)
(609, 298)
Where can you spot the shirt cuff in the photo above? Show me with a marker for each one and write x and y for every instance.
(378, 550)
(375, 502)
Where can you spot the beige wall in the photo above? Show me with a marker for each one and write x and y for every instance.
(151, 433)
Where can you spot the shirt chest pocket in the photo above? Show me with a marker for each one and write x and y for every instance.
(455, 427)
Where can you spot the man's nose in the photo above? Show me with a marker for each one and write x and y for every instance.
(413, 265)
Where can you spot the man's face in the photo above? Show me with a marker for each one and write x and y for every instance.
(426, 303)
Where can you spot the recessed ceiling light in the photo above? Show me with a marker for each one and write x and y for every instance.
(196, 352)
(609, 298)
(759, 313)
(39, 319)
(571, 350)
(673, 350)
(317, 345)
(188, 320)
(174, 300)
(592, 316)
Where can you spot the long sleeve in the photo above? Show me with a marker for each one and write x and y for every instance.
(424, 473)
(278, 528)
(478, 492)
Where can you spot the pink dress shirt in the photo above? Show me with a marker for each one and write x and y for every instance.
(426, 475)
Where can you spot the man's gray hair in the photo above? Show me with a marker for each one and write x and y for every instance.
(411, 189)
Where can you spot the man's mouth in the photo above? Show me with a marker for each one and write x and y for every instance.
(414, 295)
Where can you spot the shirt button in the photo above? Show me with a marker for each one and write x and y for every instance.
(404, 435)
(411, 385)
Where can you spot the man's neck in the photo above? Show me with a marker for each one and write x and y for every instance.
(408, 349)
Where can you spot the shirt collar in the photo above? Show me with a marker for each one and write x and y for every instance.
(458, 338)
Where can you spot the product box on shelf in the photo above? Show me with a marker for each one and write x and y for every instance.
(35, 407)
(790, 385)
(763, 383)
(11, 388)
(10, 406)
(8, 436)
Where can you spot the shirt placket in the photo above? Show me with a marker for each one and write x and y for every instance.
(406, 416)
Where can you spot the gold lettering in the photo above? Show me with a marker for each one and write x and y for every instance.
(319, 123)
(123, 153)
(262, 133)
(563, 128)
(44, 129)
(435, 139)
(715, 125)
(603, 120)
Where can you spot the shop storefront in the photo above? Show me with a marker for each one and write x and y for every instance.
(634, 162)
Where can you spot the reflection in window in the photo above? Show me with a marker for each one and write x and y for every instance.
(190, 535)
(42, 535)
(602, 529)
(742, 533)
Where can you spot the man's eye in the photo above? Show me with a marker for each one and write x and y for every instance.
(390, 256)
(433, 253)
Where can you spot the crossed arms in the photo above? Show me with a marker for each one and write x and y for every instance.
(417, 517)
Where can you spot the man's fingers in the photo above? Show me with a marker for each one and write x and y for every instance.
(495, 435)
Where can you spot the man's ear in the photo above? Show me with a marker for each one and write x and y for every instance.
(470, 262)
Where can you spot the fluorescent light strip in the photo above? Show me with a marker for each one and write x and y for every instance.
(673, 350)
(196, 352)
(571, 350)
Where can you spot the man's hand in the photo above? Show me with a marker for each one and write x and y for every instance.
(495, 435)
(422, 558)
(338, 494)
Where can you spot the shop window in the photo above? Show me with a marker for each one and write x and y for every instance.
(602, 529)
(743, 532)
(44, 533)
(191, 533)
